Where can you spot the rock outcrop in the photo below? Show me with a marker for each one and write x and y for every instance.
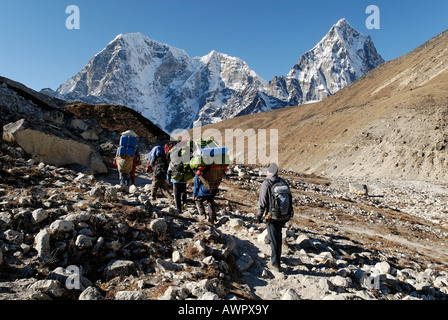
(47, 144)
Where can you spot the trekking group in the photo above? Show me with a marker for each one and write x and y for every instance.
(204, 162)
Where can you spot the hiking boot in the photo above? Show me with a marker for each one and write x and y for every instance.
(274, 268)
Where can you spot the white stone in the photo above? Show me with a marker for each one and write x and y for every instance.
(291, 294)
(62, 226)
(129, 295)
(42, 244)
(39, 215)
(83, 241)
(383, 267)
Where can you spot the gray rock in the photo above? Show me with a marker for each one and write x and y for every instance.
(130, 295)
(119, 268)
(209, 296)
(5, 218)
(42, 244)
(83, 241)
(236, 223)
(77, 217)
(71, 278)
(358, 189)
(158, 225)
(62, 226)
(164, 266)
(49, 287)
(177, 257)
(38, 215)
(341, 282)
(53, 146)
(291, 294)
(244, 262)
(304, 242)
(12, 236)
(383, 267)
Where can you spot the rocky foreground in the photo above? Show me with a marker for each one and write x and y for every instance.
(68, 235)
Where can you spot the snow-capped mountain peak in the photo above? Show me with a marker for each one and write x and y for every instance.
(342, 56)
(178, 92)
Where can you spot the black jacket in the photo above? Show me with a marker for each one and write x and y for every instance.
(265, 196)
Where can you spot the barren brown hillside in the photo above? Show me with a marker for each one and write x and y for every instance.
(118, 118)
(389, 123)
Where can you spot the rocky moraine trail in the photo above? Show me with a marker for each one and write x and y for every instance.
(69, 235)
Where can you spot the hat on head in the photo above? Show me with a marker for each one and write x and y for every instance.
(272, 168)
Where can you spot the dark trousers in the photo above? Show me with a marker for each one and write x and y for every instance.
(275, 235)
(210, 207)
(180, 195)
(125, 179)
(160, 184)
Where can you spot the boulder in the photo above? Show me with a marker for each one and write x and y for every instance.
(91, 293)
(119, 268)
(291, 294)
(42, 244)
(61, 225)
(52, 288)
(158, 225)
(39, 215)
(358, 189)
(129, 295)
(52, 146)
(383, 267)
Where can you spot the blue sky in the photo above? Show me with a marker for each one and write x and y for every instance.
(38, 50)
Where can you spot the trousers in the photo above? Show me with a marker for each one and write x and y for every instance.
(180, 195)
(275, 235)
(160, 184)
(210, 207)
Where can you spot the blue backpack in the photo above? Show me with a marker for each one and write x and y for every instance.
(155, 153)
(128, 143)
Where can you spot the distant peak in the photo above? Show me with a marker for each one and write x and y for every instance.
(344, 30)
(132, 37)
(343, 22)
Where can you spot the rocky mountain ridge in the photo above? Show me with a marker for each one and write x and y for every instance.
(387, 124)
(178, 92)
(56, 132)
(341, 57)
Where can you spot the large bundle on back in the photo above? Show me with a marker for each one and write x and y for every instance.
(208, 152)
(211, 161)
(126, 151)
(180, 161)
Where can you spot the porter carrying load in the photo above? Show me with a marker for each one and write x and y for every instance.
(211, 161)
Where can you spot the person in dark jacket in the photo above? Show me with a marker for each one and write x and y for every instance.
(274, 227)
(179, 181)
(202, 195)
(159, 178)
